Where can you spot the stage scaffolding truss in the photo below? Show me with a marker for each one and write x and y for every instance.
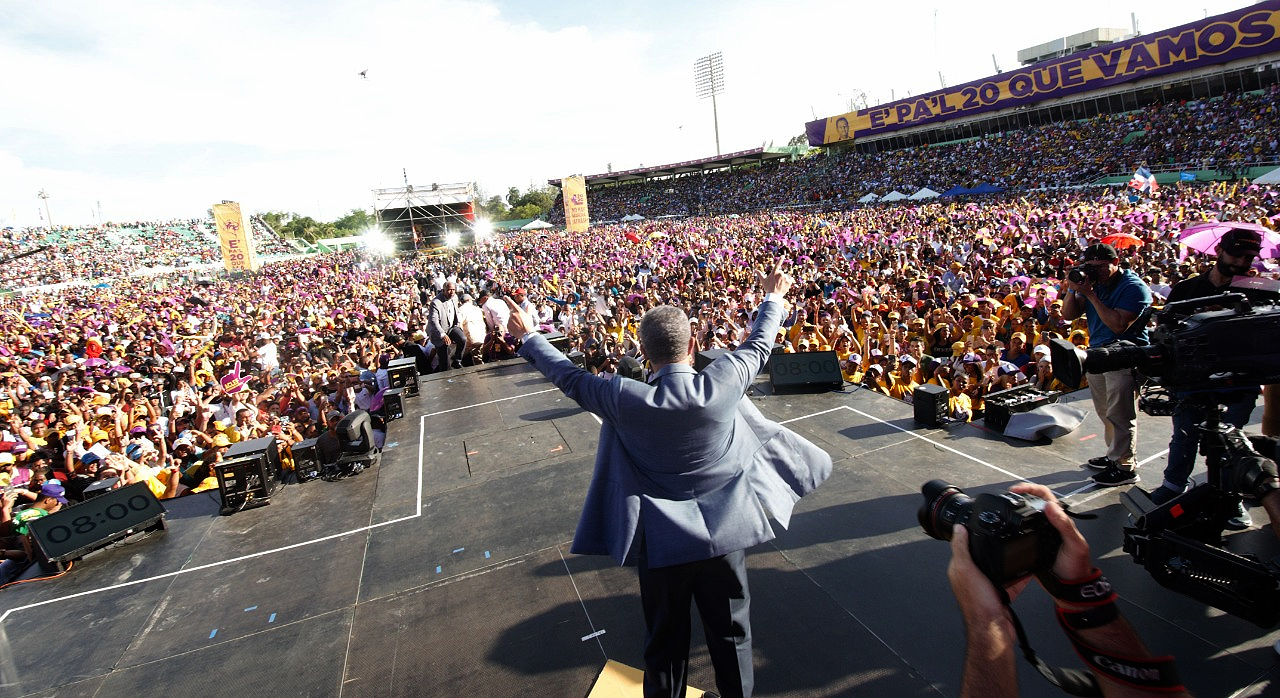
(423, 217)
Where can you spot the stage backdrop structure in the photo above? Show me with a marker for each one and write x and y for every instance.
(423, 217)
(235, 237)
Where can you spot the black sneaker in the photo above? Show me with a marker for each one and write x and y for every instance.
(1101, 463)
(1114, 477)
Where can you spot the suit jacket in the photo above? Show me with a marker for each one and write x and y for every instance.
(686, 456)
(442, 316)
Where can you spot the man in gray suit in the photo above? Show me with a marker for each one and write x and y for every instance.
(687, 472)
(444, 329)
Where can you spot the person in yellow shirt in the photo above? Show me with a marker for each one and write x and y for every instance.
(843, 346)
(876, 381)
(868, 328)
(851, 368)
(959, 406)
(908, 373)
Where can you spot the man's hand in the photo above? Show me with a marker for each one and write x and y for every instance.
(979, 601)
(777, 281)
(519, 323)
(1073, 557)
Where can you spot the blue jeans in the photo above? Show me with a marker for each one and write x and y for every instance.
(1186, 437)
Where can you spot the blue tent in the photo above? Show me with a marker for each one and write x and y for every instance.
(986, 188)
(956, 191)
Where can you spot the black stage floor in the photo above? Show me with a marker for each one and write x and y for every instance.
(446, 571)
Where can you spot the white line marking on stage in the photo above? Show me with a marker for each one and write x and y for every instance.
(941, 445)
(1090, 484)
(363, 529)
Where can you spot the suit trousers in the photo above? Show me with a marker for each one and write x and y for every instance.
(719, 587)
(447, 356)
(1115, 399)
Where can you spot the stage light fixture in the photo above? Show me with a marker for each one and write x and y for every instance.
(452, 239)
(483, 229)
(378, 243)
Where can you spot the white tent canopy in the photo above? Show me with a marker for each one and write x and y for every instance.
(632, 217)
(536, 224)
(894, 195)
(925, 193)
(868, 199)
(1272, 177)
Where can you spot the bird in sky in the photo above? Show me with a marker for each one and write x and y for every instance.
(365, 73)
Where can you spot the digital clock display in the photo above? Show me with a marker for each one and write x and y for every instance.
(81, 527)
(814, 368)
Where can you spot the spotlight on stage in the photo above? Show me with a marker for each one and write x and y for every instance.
(355, 436)
(482, 229)
(378, 243)
(452, 239)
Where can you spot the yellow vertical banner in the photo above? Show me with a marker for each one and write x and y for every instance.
(235, 237)
(575, 204)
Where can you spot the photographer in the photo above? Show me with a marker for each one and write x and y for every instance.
(1097, 630)
(1112, 300)
(1236, 251)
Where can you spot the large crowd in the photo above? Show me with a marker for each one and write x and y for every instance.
(1222, 135)
(111, 250)
(153, 382)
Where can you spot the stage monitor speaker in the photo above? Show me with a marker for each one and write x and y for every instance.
(558, 340)
(930, 404)
(243, 482)
(100, 487)
(73, 532)
(403, 373)
(268, 447)
(813, 371)
(393, 404)
(306, 460)
(578, 358)
(704, 358)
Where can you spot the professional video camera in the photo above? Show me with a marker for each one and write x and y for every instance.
(1192, 347)
(1200, 349)
(1176, 542)
(1009, 535)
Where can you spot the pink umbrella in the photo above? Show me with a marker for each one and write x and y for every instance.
(1204, 237)
(1122, 241)
(93, 361)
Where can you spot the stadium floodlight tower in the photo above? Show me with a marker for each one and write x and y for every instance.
(44, 195)
(708, 79)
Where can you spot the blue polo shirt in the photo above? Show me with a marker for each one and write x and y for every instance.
(1126, 292)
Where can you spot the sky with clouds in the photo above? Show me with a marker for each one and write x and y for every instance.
(155, 110)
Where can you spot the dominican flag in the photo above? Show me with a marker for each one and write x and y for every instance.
(1143, 180)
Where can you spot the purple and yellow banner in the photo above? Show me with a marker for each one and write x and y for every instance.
(574, 189)
(1242, 33)
(235, 238)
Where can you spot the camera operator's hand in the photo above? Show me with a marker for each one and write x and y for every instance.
(989, 668)
(1073, 557)
(978, 598)
(1084, 288)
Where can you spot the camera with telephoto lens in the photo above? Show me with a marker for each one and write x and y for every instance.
(1009, 534)
(1081, 274)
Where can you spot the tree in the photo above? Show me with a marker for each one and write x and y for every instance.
(801, 140)
(355, 223)
(495, 209)
(277, 220)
